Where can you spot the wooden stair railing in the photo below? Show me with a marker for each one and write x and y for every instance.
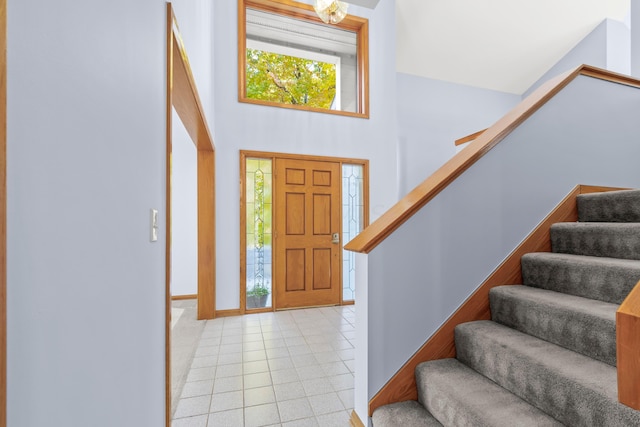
(628, 349)
(440, 345)
(380, 229)
(469, 138)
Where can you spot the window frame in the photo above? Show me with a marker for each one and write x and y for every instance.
(302, 11)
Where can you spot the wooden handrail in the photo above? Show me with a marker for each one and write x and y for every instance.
(380, 229)
(628, 349)
(469, 138)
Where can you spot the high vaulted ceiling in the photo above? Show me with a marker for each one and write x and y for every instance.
(504, 45)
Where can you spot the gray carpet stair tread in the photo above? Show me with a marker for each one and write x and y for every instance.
(614, 240)
(458, 396)
(405, 414)
(573, 388)
(604, 279)
(548, 356)
(578, 324)
(610, 206)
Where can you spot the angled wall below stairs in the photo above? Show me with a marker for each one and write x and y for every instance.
(586, 134)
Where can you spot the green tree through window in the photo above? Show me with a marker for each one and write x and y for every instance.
(289, 79)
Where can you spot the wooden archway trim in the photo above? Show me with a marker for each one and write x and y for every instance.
(186, 101)
(182, 94)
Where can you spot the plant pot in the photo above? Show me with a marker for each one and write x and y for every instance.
(257, 301)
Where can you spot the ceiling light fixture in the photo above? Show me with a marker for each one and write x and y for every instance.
(331, 11)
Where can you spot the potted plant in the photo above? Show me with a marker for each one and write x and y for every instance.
(257, 296)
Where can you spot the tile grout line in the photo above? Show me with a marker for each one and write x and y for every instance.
(340, 324)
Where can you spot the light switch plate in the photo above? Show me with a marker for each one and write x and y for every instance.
(154, 225)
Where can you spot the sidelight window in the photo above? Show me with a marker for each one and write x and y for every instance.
(259, 237)
(352, 223)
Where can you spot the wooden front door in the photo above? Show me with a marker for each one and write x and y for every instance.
(307, 232)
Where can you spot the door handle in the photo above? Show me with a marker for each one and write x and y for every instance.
(335, 238)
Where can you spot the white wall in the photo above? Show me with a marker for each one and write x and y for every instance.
(415, 279)
(195, 22)
(255, 127)
(618, 47)
(184, 212)
(432, 114)
(361, 352)
(607, 46)
(634, 21)
(86, 162)
(591, 50)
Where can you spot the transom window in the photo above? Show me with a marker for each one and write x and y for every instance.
(292, 76)
(289, 58)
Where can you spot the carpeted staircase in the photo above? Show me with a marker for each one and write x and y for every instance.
(548, 356)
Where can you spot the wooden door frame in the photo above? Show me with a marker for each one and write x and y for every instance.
(182, 94)
(3, 213)
(244, 154)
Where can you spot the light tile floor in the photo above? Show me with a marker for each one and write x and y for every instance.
(288, 368)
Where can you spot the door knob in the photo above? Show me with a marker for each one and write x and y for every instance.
(335, 238)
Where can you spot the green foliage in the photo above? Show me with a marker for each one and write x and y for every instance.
(258, 290)
(290, 80)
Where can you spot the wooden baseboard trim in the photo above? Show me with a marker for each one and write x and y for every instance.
(183, 297)
(355, 420)
(238, 312)
(586, 189)
(228, 313)
(352, 302)
(259, 310)
(441, 345)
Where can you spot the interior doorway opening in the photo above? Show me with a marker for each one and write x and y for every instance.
(182, 94)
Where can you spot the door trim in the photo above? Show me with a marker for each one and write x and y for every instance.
(182, 94)
(244, 154)
(167, 314)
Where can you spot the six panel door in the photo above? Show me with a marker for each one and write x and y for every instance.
(307, 233)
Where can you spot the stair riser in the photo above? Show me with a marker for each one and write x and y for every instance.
(601, 240)
(409, 414)
(592, 333)
(547, 376)
(605, 280)
(612, 206)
